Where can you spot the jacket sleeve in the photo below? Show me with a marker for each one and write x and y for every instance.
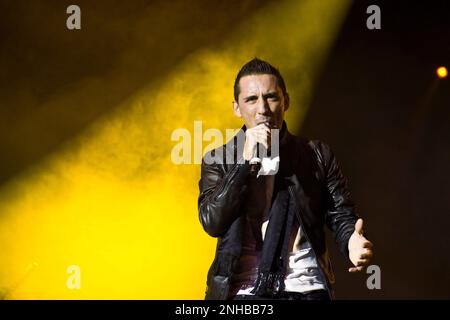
(341, 213)
(221, 194)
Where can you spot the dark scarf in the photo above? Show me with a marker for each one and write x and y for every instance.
(274, 259)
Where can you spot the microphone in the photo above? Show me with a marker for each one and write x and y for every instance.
(255, 162)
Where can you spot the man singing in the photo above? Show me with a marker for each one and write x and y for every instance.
(269, 212)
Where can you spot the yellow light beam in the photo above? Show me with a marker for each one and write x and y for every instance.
(112, 203)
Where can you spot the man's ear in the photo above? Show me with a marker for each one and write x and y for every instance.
(286, 101)
(236, 110)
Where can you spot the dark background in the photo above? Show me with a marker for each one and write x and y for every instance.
(382, 109)
(378, 103)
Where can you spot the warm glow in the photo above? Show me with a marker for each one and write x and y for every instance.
(442, 72)
(111, 201)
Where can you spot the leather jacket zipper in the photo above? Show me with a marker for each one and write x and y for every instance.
(291, 191)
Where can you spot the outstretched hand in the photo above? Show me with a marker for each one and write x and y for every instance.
(359, 248)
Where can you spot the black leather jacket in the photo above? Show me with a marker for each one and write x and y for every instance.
(317, 183)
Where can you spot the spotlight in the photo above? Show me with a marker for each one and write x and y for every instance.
(442, 72)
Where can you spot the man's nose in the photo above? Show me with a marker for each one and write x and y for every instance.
(263, 106)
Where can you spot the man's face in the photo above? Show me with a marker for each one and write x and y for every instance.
(260, 100)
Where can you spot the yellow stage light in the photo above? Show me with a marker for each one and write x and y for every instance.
(442, 72)
(109, 215)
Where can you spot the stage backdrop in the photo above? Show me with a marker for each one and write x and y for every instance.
(91, 204)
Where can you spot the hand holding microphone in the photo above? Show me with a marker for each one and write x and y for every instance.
(256, 138)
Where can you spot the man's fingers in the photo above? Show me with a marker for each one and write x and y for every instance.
(359, 226)
(359, 266)
(265, 144)
(362, 262)
(367, 244)
(258, 130)
(260, 134)
(262, 127)
(367, 255)
(263, 139)
(263, 135)
(355, 269)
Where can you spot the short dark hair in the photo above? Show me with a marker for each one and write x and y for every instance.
(257, 66)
